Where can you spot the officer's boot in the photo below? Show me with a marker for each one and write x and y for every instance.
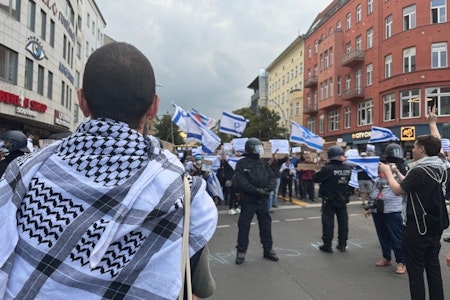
(342, 245)
(326, 247)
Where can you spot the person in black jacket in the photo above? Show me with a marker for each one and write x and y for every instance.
(15, 142)
(335, 191)
(256, 181)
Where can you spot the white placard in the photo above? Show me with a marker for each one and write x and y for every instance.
(239, 144)
(281, 145)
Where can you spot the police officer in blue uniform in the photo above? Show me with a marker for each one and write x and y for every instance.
(255, 180)
(335, 191)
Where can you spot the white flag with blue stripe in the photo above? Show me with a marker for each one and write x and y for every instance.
(232, 124)
(182, 119)
(301, 135)
(369, 164)
(207, 122)
(380, 134)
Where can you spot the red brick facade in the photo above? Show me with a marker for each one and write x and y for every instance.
(392, 99)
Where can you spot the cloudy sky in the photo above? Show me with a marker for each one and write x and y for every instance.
(206, 52)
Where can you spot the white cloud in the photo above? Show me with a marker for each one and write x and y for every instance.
(206, 52)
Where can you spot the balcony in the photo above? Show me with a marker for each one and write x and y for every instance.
(310, 108)
(311, 82)
(353, 58)
(355, 93)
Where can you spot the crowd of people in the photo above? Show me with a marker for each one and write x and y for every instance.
(98, 180)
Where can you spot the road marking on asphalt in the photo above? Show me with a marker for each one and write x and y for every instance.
(223, 226)
(313, 218)
(296, 219)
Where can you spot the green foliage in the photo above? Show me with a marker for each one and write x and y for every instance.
(165, 130)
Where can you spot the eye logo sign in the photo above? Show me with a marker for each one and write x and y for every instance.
(35, 48)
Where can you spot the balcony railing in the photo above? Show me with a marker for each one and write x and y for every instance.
(353, 93)
(310, 108)
(311, 82)
(353, 58)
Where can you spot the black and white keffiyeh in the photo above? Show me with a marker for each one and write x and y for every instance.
(98, 215)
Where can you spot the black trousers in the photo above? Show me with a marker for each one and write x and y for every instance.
(248, 210)
(329, 209)
(422, 254)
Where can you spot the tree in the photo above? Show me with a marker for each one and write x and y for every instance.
(165, 130)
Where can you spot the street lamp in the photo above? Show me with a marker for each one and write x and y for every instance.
(283, 115)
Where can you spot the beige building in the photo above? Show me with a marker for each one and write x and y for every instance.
(285, 84)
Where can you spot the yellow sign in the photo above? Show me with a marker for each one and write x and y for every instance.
(408, 133)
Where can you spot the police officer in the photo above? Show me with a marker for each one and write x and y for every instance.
(335, 191)
(255, 181)
(15, 142)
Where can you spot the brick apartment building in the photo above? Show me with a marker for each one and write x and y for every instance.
(376, 62)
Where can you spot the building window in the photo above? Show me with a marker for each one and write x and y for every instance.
(409, 17)
(409, 60)
(358, 42)
(358, 13)
(12, 8)
(369, 75)
(63, 92)
(389, 107)
(339, 85)
(64, 46)
(369, 7)
(348, 21)
(79, 24)
(28, 74)
(438, 11)
(358, 79)
(316, 46)
(388, 66)
(40, 87)
(309, 51)
(410, 104)
(76, 113)
(369, 38)
(321, 123)
(50, 85)
(439, 55)
(52, 33)
(348, 47)
(440, 98)
(43, 25)
(338, 26)
(347, 117)
(31, 21)
(333, 120)
(365, 113)
(78, 49)
(348, 82)
(70, 12)
(311, 124)
(8, 65)
(297, 108)
(87, 49)
(88, 20)
(388, 23)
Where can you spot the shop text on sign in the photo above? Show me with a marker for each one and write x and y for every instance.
(15, 100)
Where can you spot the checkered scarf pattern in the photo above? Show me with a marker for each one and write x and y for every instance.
(98, 216)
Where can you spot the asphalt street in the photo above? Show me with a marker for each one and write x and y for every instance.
(304, 272)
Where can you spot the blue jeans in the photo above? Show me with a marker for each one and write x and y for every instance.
(273, 197)
(389, 228)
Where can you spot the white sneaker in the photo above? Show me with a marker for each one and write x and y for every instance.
(238, 210)
(232, 212)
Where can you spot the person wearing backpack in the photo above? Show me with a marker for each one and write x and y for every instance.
(425, 216)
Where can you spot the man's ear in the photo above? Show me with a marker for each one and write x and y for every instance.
(83, 103)
(153, 109)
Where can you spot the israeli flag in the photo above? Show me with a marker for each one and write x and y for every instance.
(207, 122)
(232, 124)
(380, 134)
(369, 164)
(300, 134)
(182, 119)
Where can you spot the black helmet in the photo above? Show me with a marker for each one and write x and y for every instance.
(336, 153)
(393, 150)
(253, 146)
(15, 140)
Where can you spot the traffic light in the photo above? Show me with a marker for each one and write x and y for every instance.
(446, 130)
